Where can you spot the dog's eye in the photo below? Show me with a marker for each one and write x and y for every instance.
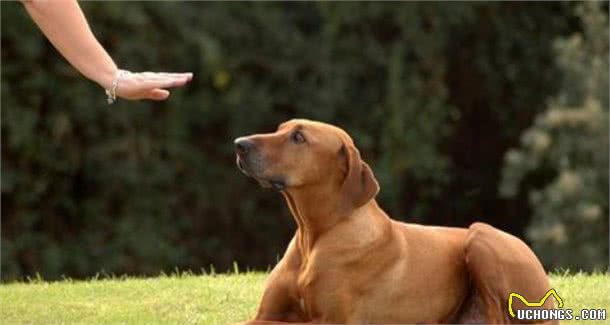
(297, 137)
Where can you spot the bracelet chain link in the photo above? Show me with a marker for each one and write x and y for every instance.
(111, 93)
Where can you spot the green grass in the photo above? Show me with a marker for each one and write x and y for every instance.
(191, 299)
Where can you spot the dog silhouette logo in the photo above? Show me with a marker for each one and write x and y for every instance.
(513, 295)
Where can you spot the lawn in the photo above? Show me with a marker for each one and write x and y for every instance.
(196, 299)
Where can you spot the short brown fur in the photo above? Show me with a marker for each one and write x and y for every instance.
(348, 262)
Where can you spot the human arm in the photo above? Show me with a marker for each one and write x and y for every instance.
(65, 25)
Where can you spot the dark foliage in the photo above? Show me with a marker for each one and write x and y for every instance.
(433, 93)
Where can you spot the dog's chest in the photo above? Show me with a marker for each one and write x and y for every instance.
(323, 292)
(347, 292)
(307, 288)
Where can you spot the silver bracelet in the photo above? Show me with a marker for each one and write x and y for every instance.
(111, 93)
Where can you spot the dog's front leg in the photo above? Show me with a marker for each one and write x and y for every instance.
(281, 301)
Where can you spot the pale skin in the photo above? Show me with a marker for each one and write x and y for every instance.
(65, 26)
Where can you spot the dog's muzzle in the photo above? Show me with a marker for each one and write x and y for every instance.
(243, 147)
(250, 162)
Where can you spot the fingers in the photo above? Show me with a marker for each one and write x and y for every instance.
(150, 85)
(188, 75)
(158, 94)
(166, 75)
(165, 80)
(166, 83)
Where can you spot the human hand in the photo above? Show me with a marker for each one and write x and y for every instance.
(149, 85)
(65, 25)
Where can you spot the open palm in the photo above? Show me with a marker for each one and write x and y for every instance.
(149, 85)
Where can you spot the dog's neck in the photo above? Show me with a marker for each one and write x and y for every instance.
(315, 212)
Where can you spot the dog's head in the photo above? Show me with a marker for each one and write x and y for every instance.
(303, 153)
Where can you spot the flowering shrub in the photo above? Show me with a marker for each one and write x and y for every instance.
(569, 227)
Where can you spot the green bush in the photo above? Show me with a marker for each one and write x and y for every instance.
(432, 93)
(569, 142)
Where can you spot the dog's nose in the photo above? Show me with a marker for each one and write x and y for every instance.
(243, 146)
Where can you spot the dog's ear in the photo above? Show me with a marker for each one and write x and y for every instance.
(359, 185)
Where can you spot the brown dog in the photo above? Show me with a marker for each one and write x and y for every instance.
(350, 263)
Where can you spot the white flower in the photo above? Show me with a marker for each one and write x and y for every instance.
(514, 157)
(553, 118)
(557, 233)
(534, 234)
(540, 142)
(590, 212)
(569, 182)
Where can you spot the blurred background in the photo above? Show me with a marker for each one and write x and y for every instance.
(494, 112)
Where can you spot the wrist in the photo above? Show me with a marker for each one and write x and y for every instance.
(105, 77)
(111, 91)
